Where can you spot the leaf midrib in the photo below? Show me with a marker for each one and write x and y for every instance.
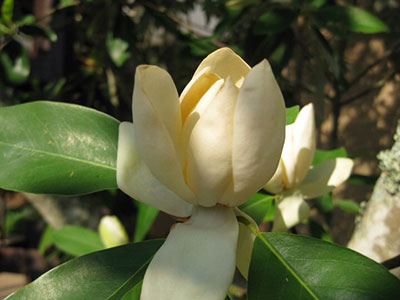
(288, 267)
(61, 156)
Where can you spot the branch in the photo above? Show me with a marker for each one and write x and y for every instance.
(385, 56)
(391, 263)
(375, 87)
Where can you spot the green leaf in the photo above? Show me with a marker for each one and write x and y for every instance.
(291, 114)
(351, 18)
(14, 63)
(38, 30)
(319, 231)
(117, 49)
(76, 240)
(274, 21)
(25, 19)
(287, 266)
(324, 203)
(57, 148)
(7, 9)
(145, 217)
(46, 239)
(258, 206)
(133, 293)
(362, 179)
(322, 155)
(347, 205)
(106, 274)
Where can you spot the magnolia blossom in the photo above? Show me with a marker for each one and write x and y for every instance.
(296, 179)
(199, 155)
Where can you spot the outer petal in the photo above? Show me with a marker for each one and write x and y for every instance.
(258, 134)
(275, 184)
(323, 177)
(197, 261)
(136, 180)
(209, 166)
(288, 158)
(289, 211)
(245, 243)
(304, 139)
(158, 127)
(195, 89)
(225, 63)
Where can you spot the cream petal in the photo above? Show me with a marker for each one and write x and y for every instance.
(288, 158)
(225, 63)
(196, 113)
(195, 89)
(158, 127)
(323, 177)
(135, 179)
(275, 184)
(197, 261)
(258, 134)
(209, 167)
(304, 139)
(245, 242)
(289, 211)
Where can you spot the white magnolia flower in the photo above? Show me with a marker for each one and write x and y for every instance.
(200, 155)
(112, 232)
(296, 179)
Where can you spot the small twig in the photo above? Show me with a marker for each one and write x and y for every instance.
(385, 56)
(375, 87)
(392, 263)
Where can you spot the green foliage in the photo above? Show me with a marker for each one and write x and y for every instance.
(37, 30)
(7, 9)
(117, 49)
(286, 266)
(76, 240)
(322, 155)
(145, 217)
(57, 148)
(106, 274)
(291, 114)
(14, 63)
(259, 207)
(351, 18)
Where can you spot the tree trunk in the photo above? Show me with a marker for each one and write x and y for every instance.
(377, 235)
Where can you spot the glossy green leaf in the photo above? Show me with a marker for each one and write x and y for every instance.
(7, 9)
(258, 206)
(291, 114)
(133, 293)
(76, 240)
(38, 30)
(322, 155)
(106, 274)
(287, 266)
(57, 148)
(347, 205)
(117, 49)
(14, 63)
(352, 18)
(274, 21)
(145, 217)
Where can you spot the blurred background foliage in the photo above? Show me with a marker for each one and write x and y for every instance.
(338, 54)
